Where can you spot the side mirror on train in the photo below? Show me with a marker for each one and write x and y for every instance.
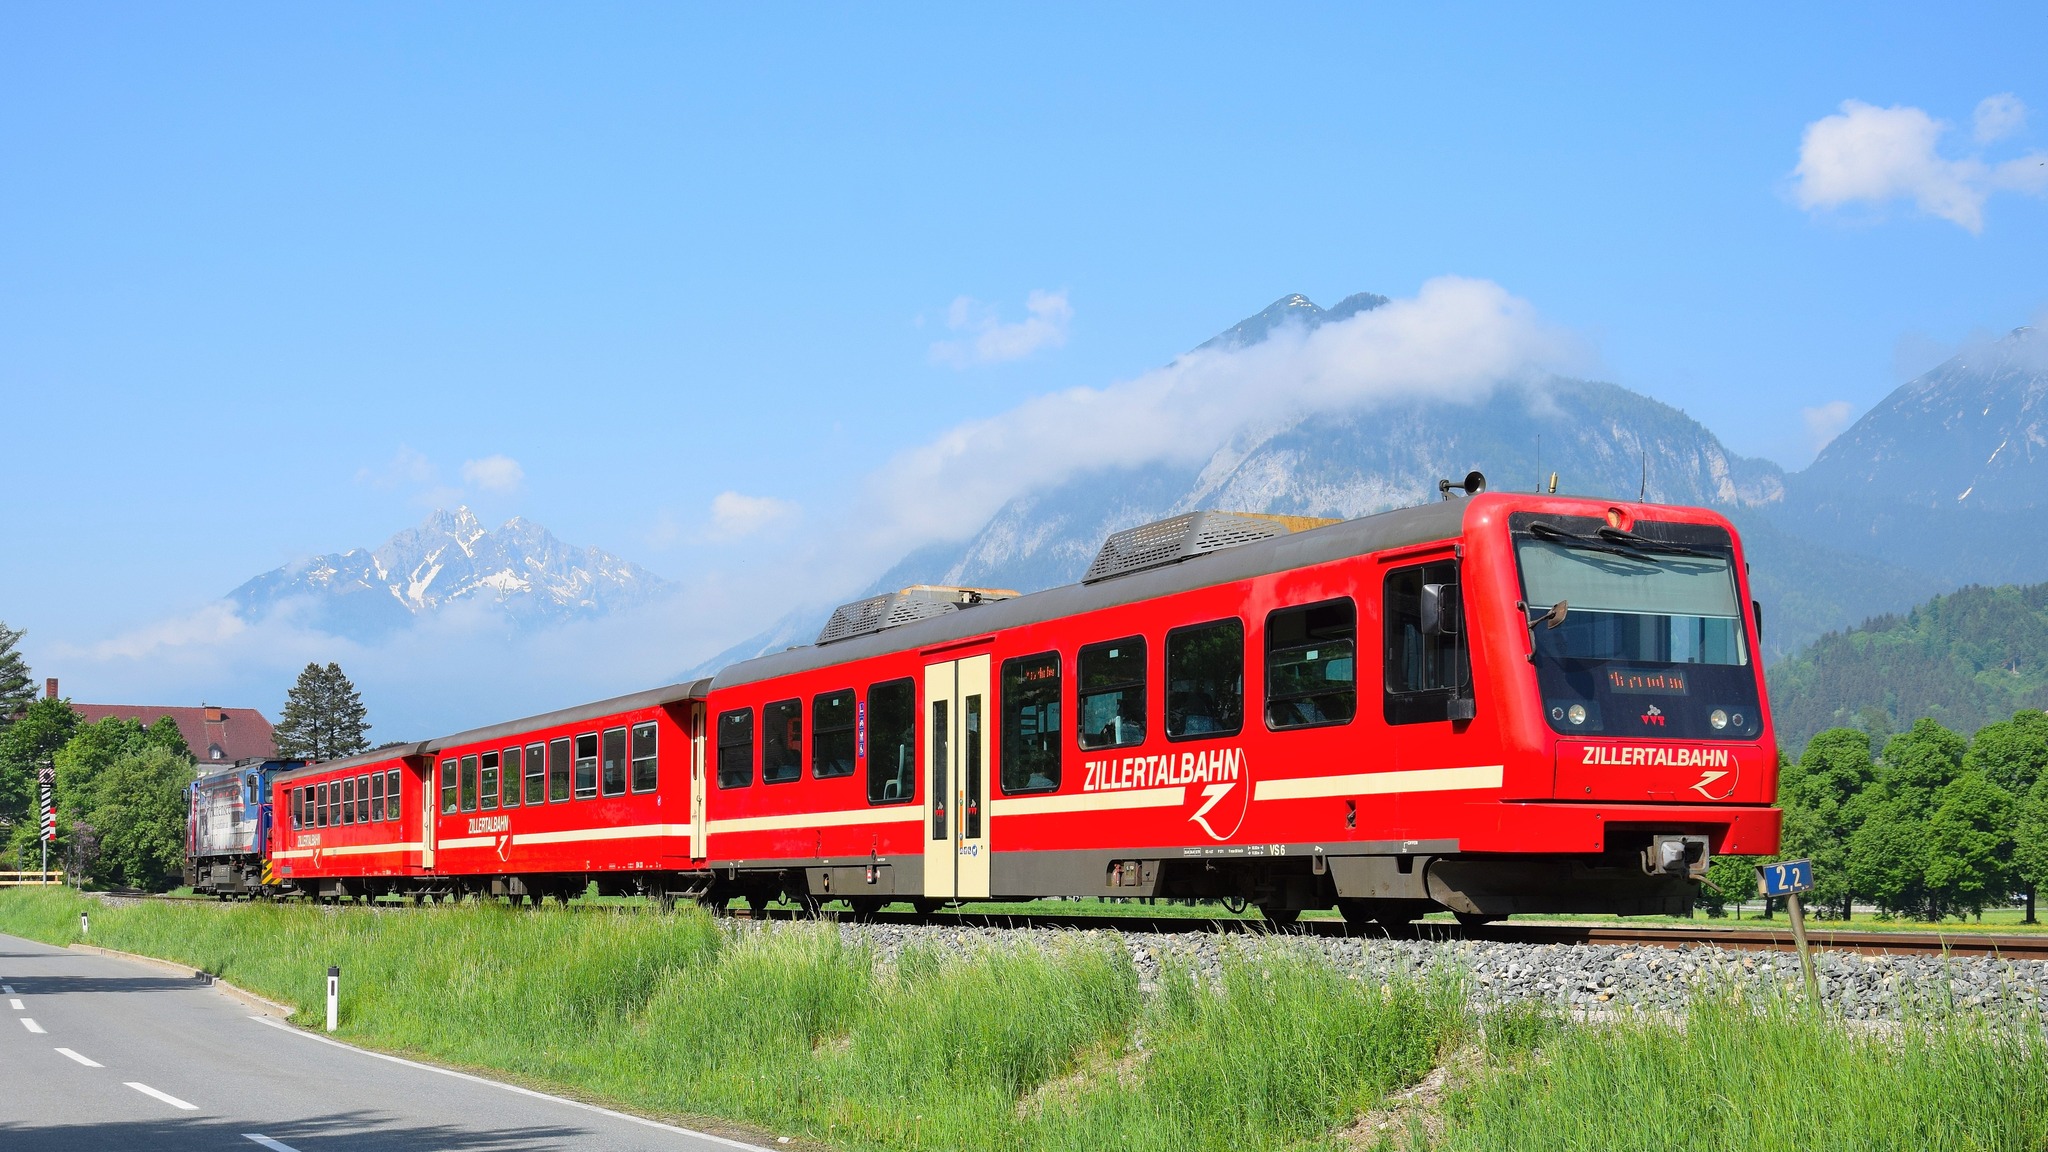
(1757, 606)
(1440, 614)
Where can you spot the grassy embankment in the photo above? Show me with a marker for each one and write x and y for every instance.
(794, 1032)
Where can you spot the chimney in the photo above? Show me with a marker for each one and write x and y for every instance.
(50, 688)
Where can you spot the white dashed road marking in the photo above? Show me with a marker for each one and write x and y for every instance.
(15, 1004)
(69, 1054)
(7, 988)
(166, 1097)
(267, 1142)
(31, 1025)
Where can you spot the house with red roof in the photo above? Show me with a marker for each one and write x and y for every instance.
(215, 734)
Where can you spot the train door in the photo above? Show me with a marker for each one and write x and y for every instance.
(428, 806)
(957, 718)
(698, 831)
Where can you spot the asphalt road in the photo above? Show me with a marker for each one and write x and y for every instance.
(100, 1054)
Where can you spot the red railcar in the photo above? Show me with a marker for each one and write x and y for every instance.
(349, 826)
(1501, 703)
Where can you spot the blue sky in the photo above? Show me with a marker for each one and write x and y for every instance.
(678, 280)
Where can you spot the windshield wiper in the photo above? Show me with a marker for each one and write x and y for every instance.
(1645, 544)
(1552, 532)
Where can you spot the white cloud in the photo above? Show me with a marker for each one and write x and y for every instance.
(1998, 117)
(1826, 421)
(1455, 340)
(494, 473)
(734, 515)
(993, 341)
(1872, 155)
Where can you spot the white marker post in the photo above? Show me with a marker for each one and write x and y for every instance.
(84, 925)
(333, 997)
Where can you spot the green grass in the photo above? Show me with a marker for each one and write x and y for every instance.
(793, 1031)
(1733, 1077)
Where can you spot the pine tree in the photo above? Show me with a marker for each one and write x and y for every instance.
(323, 717)
(17, 691)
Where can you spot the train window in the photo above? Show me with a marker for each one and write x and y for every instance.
(1029, 758)
(1112, 693)
(1423, 671)
(362, 799)
(391, 805)
(736, 748)
(615, 761)
(297, 804)
(645, 764)
(970, 769)
(832, 734)
(319, 805)
(782, 741)
(892, 742)
(469, 783)
(377, 796)
(335, 810)
(1205, 680)
(510, 776)
(536, 773)
(939, 793)
(558, 770)
(487, 782)
(448, 785)
(586, 765)
(1312, 665)
(348, 801)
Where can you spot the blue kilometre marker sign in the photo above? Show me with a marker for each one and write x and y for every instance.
(1784, 878)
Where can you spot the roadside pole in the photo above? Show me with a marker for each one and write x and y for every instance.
(1787, 879)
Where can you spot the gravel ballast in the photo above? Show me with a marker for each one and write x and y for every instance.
(1584, 977)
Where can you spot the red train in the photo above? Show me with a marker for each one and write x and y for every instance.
(1495, 704)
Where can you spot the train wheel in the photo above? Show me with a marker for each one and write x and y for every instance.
(865, 907)
(1476, 919)
(1279, 917)
(1357, 913)
(757, 906)
(925, 907)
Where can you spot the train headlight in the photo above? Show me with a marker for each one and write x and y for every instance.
(1576, 714)
(1718, 718)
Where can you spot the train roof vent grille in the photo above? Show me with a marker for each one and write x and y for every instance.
(893, 609)
(1183, 537)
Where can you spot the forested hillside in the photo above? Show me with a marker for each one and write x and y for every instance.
(1966, 659)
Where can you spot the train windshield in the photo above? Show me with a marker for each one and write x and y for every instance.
(1650, 640)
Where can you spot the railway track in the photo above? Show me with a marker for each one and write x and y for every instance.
(2010, 946)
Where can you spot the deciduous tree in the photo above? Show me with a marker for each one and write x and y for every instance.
(1819, 797)
(141, 818)
(2013, 754)
(1969, 846)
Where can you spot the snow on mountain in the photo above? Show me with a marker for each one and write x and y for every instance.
(520, 569)
(1949, 473)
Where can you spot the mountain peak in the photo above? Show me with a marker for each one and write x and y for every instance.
(1290, 309)
(520, 569)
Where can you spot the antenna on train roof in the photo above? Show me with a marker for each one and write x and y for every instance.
(1644, 491)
